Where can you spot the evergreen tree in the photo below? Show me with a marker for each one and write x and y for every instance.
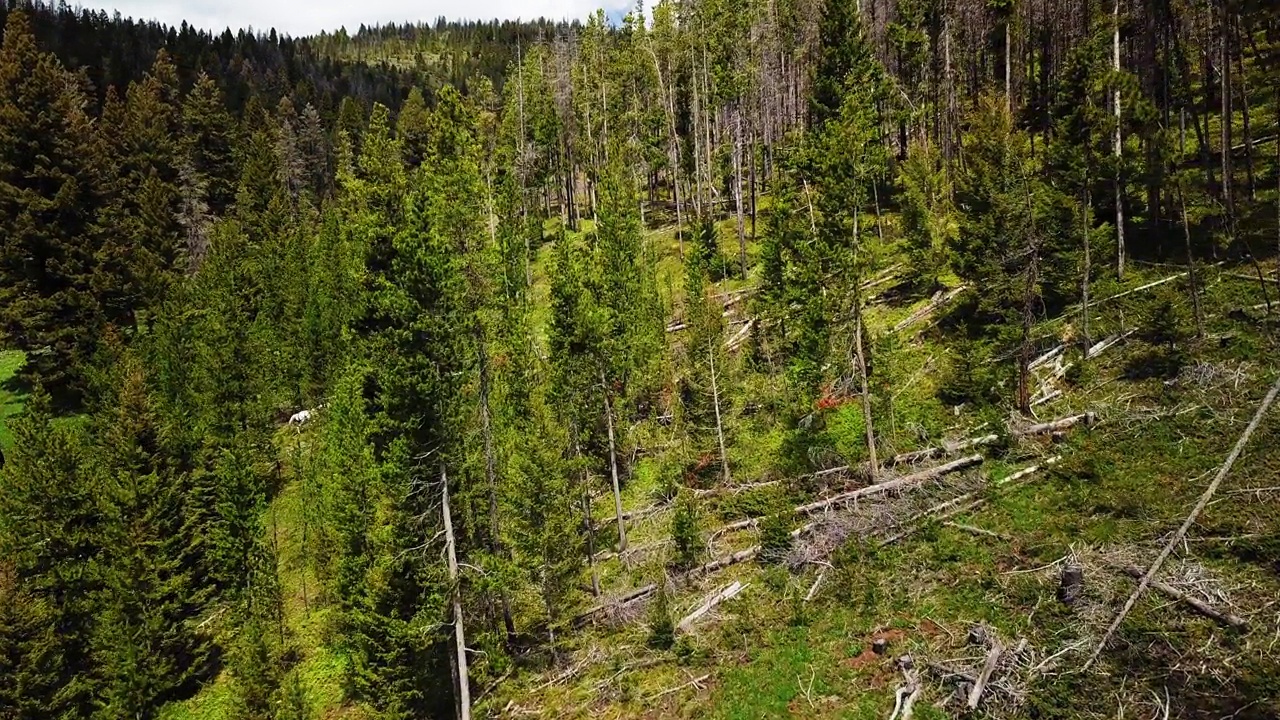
(208, 139)
(146, 645)
(143, 240)
(52, 536)
(51, 188)
(929, 221)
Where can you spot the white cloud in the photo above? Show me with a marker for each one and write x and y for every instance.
(299, 17)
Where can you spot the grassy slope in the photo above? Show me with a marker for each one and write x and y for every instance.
(11, 396)
(1121, 487)
(1125, 484)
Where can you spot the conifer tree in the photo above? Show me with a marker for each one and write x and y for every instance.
(146, 645)
(208, 139)
(51, 189)
(52, 533)
(143, 241)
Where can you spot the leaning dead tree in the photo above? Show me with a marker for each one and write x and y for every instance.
(1178, 536)
(460, 638)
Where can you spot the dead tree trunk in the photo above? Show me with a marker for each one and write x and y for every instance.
(1191, 265)
(459, 634)
(715, 400)
(1244, 113)
(613, 467)
(737, 188)
(1119, 148)
(872, 462)
(1088, 266)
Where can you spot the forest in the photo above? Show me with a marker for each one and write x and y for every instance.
(737, 358)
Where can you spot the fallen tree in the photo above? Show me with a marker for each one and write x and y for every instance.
(963, 503)
(1088, 418)
(870, 490)
(1187, 523)
(727, 593)
(939, 299)
(1199, 606)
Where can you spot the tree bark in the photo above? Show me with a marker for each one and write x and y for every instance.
(1191, 265)
(1119, 148)
(613, 467)
(1228, 179)
(737, 188)
(1088, 265)
(1244, 113)
(459, 634)
(872, 461)
(715, 399)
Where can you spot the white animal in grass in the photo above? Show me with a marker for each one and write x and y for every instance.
(302, 417)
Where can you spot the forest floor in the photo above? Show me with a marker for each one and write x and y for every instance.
(1111, 497)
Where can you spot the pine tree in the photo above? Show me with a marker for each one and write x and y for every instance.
(146, 646)
(51, 188)
(143, 249)
(208, 139)
(929, 221)
(51, 537)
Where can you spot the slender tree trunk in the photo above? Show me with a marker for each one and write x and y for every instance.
(872, 461)
(752, 173)
(715, 400)
(861, 357)
(1244, 112)
(491, 477)
(1119, 147)
(588, 526)
(737, 189)
(1191, 264)
(1088, 268)
(1228, 175)
(459, 634)
(1008, 87)
(613, 467)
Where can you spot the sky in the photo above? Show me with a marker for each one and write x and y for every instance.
(307, 17)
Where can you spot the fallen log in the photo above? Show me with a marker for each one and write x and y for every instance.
(1066, 423)
(727, 593)
(733, 488)
(951, 448)
(993, 659)
(1047, 357)
(938, 301)
(961, 504)
(1203, 608)
(1188, 522)
(629, 597)
(905, 481)
(741, 336)
(1148, 286)
(740, 556)
(813, 589)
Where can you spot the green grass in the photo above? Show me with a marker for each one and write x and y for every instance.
(11, 397)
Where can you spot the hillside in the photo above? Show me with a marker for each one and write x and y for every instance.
(744, 360)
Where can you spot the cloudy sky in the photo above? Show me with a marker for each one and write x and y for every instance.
(305, 17)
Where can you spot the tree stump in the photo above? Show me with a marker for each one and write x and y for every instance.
(1071, 585)
(978, 635)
